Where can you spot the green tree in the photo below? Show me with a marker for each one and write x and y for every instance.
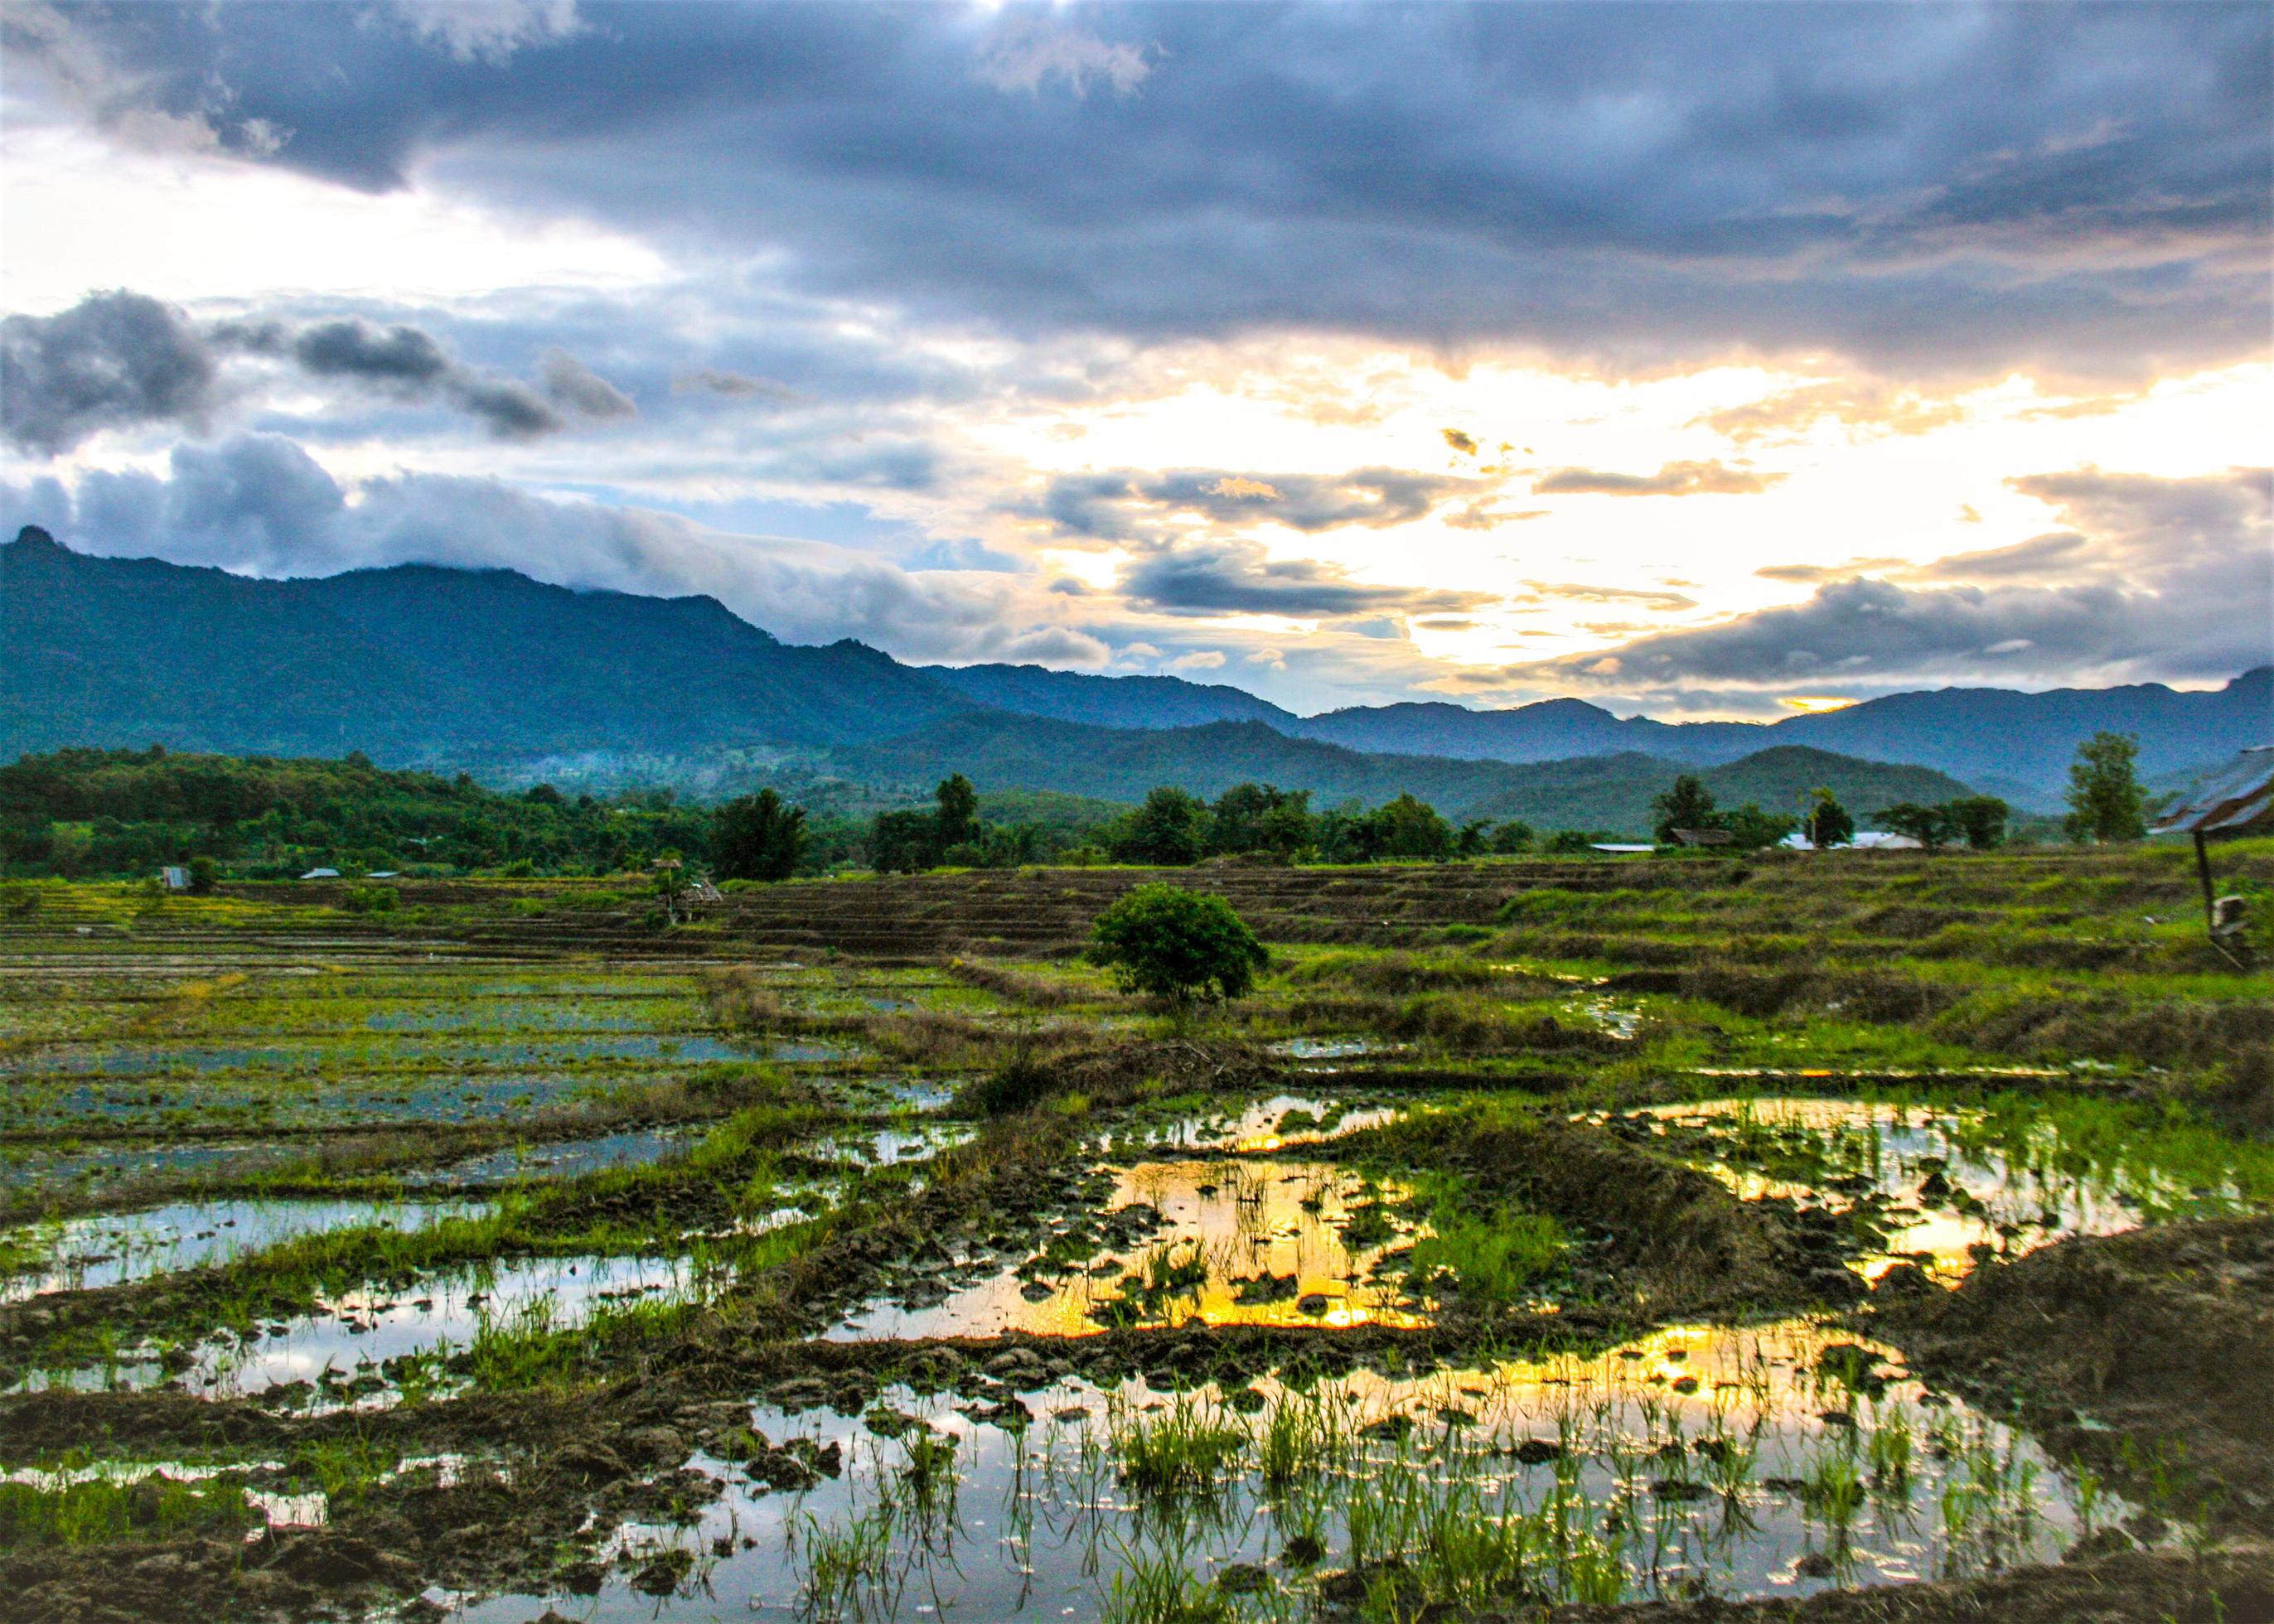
(1512, 837)
(1686, 804)
(758, 837)
(1564, 842)
(1750, 828)
(1409, 827)
(1930, 826)
(903, 842)
(959, 810)
(2105, 800)
(1180, 946)
(1259, 817)
(1827, 823)
(1170, 830)
(1979, 819)
(205, 876)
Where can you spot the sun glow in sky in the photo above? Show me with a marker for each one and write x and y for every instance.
(1548, 408)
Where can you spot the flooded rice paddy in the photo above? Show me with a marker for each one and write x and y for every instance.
(1776, 1460)
(1943, 1186)
(108, 1249)
(831, 1290)
(1251, 1242)
(354, 1348)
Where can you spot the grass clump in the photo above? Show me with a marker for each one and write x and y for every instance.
(101, 1512)
(1183, 1449)
(1497, 1255)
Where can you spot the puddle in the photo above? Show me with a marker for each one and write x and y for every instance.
(1698, 1461)
(889, 1092)
(1936, 1183)
(1226, 1242)
(806, 1052)
(339, 1350)
(891, 1146)
(1331, 1049)
(108, 1249)
(1619, 1020)
(1283, 1120)
(46, 1167)
(565, 1158)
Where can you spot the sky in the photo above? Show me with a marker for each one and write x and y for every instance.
(1699, 360)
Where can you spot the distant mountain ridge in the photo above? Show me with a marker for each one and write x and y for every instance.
(2001, 740)
(418, 664)
(413, 664)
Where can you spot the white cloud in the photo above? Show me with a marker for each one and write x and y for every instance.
(1026, 52)
(490, 31)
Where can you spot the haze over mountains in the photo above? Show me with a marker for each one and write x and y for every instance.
(419, 665)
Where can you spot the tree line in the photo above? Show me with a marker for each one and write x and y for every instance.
(1173, 827)
(89, 813)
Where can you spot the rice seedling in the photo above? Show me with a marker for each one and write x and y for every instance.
(1185, 1448)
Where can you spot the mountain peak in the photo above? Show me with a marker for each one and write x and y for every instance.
(35, 535)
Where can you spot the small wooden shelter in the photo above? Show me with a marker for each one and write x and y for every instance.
(2238, 799)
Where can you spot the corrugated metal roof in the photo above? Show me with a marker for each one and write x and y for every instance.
(2238, 796)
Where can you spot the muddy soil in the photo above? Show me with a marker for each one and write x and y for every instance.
(2163, 1337)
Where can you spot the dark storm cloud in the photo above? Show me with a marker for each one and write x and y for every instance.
(1125, 504)
(1236, 577)
(1922, 188)
(113, 360)
(1673, 479)
(2174, 576)
(407, 363)
(121, 360)
(400, 356)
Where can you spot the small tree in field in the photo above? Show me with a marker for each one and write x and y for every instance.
(1828, 822)
(1981, 819)
(1182, 947)
(2105, 801)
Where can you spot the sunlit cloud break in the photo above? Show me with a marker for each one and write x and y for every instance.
(1871, 346)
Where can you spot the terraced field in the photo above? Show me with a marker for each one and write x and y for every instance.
(1851, 1238)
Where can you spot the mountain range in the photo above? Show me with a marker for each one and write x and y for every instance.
(2001, 740)
(419, 665)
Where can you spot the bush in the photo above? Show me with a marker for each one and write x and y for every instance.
(369, 899)
(1019, 1083)
(1176, 944)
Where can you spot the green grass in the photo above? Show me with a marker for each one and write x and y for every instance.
(102, 1512)
(1496, 1253)
(1185, 1448)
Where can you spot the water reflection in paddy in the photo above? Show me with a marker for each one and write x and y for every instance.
(1247, 1242)
(339, 1350)
(1939, 1182)
(1281, 1120)
(108, 1249)
(565, 1158)
(1774, 1460)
